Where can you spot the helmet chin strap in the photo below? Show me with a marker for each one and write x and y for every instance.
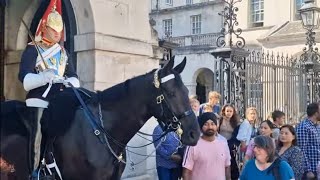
(50, 38)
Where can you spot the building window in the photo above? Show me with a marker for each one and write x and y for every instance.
(169, 2)
(257, 12)
(189, 2)
(298, 5)
(195, 24)
(167, 27)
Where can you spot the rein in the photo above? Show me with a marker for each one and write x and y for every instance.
(174, 124)
(98, 128)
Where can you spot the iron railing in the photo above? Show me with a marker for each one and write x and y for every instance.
(268, 82)
(274, 82)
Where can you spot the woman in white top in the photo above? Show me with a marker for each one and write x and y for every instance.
(246, 130)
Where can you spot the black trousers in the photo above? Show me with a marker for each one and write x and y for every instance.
(35, 138)
(234, 165)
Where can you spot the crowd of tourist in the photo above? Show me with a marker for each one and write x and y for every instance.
(231, 148)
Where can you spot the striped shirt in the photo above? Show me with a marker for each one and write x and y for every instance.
(308, 136)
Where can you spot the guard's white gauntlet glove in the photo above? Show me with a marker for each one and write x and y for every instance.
(72, 80)
(58, 79)
(48, 75)
(32, 81)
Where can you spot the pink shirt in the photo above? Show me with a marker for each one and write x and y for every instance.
(207, 160)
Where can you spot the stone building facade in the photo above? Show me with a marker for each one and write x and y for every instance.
(269, 26)
(194, 25)
(273, 25)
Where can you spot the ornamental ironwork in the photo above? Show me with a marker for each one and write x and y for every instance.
(310, 62)
(310, 56)
(230, 22)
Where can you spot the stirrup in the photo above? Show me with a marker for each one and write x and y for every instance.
(39, 174)
(42, 177)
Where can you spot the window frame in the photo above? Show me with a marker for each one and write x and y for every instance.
(188, 2)
(296, 15)
(257, 15)
(169, 2)
(196, 24)
(167, 26)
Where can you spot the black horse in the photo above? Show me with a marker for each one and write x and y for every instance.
(125, 108)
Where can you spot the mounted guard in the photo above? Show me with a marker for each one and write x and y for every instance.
(45, 70)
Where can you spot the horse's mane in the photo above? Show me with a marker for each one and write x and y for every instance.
(119, 91)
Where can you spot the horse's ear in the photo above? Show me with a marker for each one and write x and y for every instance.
(169, 65)
(179, 68)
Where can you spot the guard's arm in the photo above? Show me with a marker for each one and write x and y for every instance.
(27, 74)
(71, 74)
(32, 81)
(28, 62)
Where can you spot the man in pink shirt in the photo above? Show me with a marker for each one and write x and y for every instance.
(210, 158)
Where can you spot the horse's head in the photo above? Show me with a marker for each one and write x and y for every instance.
(173, 102)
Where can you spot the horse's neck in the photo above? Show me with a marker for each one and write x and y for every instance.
(128, 114)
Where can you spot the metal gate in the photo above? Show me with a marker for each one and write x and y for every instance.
(264, 80)
(275, 82)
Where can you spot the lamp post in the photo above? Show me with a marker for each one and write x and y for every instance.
(229, 15)
(310, 58)
(232, 57)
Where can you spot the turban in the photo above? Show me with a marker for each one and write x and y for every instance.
(203, 118)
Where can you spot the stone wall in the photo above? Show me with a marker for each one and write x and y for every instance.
(15, 42)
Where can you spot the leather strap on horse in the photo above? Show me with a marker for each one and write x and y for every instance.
(97, 127)
(87, 113)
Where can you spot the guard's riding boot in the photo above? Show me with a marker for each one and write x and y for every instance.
(52, 166)
(35, 137)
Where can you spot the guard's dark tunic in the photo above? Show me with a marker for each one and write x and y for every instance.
(28, 65)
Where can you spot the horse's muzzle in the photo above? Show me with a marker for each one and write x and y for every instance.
(190, 137)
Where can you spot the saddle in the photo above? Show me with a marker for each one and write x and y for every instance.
(59, 115)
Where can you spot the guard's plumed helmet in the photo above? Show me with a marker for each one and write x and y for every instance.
(51, 18)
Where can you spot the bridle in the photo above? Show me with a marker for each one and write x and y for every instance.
(173, 125)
